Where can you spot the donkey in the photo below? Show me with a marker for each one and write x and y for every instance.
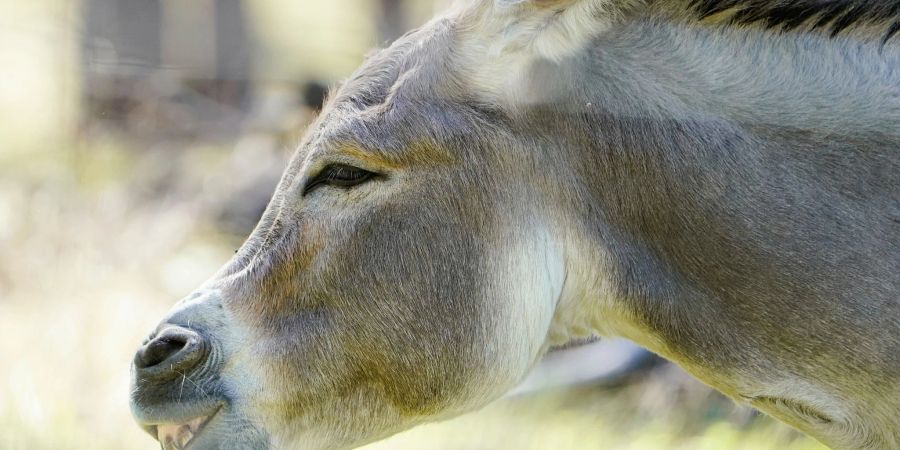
(716, 180)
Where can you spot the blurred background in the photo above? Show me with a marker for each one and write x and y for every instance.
(139, 143)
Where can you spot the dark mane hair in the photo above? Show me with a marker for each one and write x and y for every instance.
(833, 16)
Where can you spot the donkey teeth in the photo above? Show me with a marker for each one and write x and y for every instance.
(177, 436)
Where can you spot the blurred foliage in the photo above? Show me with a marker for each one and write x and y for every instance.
(101, 231)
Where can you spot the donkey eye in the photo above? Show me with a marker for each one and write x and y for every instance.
(340, 175)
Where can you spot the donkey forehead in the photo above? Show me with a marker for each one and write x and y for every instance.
(415, 67)
(403, 133)
(401, 101)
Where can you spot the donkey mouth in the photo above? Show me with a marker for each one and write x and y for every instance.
(178, 436)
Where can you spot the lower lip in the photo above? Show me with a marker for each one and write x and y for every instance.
(181, 436)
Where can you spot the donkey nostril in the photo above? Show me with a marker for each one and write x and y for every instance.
(159, 350)
(175, 346)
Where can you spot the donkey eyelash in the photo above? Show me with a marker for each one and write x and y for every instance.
(340, 175)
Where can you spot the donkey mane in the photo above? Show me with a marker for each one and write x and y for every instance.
(833, 16)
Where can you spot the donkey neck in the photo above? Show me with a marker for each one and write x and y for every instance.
(740, 192)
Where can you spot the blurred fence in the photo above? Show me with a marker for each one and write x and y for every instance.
(153, 69)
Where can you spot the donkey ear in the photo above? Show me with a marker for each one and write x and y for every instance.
(551, 29)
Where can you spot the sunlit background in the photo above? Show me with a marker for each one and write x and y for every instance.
(139, 142)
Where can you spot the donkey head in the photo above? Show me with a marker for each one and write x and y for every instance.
(407, 269)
